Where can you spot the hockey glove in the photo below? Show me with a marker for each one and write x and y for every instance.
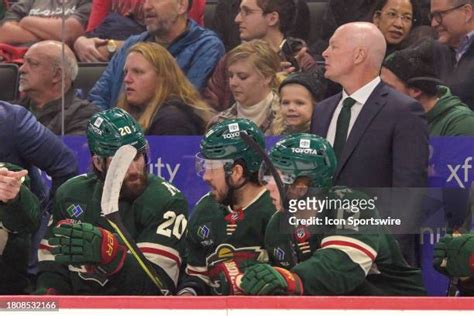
(86, 244)
(454, 256)
(227, 276)
(263, 279)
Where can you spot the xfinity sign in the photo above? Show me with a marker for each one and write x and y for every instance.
(460, 173)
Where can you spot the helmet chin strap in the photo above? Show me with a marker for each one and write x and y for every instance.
(229, 199)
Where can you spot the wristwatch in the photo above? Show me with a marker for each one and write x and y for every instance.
(111, 46)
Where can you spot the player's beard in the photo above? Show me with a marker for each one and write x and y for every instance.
(134, 185)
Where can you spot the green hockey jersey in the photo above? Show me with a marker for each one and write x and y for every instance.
(156, 220)
(18, 220)
(221, 242)
(334, 256)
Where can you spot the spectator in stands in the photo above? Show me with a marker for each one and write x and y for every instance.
(112, 22)
(395, 19)
(339, 12)
(30, 21)
(226, 11)
(223, 22)
(197, 50)
(252, 68)
(198, 8)
(41, 83)
(20, 216)
(453, 20)
(299, 93)
(412, 72)
(268, 20)
(158, 94)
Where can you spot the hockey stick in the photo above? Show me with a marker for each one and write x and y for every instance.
(255, 147)
(453, 281)
(109, 204)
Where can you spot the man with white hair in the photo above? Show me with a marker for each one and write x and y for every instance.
(40, 82)
(379, 135)
(368, 121)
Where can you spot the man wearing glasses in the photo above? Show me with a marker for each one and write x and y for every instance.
(453, 20)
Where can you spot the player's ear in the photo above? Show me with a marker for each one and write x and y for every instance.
(238, 172)
(98, 163)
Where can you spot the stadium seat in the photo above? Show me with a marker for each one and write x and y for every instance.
(8, 82)
(209, 12)
(88, 75)
(317, 10)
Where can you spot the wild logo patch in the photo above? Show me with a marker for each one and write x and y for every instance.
(226, 252)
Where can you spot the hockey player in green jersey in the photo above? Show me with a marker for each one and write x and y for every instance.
(227, 227)
(80, 254)
(19, 217)
(315, 248)
(454, 256)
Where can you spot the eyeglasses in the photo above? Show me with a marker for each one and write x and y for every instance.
(244, 11)
(438, 16)
(391, 15)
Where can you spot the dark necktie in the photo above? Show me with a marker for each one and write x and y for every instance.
(343, 126)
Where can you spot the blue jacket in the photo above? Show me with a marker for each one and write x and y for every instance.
(197, 51)
(27, 143)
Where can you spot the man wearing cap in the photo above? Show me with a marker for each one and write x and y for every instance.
(411, 71)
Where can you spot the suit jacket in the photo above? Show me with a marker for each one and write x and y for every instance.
(388, 144)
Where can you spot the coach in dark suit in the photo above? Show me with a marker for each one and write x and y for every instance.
(380, 136)
(386, 141)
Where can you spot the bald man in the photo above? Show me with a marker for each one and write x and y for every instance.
(40, 82)
(386, 140)
(380, 136)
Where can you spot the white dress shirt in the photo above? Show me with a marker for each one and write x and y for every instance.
(361, 97)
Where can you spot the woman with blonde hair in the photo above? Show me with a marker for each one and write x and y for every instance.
(158, 94)
(252, 67)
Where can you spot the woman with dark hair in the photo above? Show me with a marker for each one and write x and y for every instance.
(396, 19)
